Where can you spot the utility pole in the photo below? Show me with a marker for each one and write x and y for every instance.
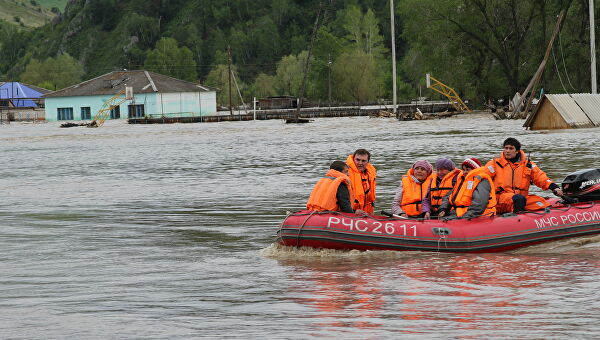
(593, 49)
(229, 68)
(393, 54)
(329, 78)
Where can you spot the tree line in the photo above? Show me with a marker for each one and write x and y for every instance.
(484, 49)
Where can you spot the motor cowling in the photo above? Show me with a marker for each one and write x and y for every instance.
(582, 185)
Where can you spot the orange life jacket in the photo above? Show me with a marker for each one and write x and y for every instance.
(323, 196)
(516, 177)
(437, 193)
(462, 195)
(363, 185)
(413, 193)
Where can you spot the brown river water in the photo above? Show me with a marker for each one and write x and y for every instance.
(167, 231)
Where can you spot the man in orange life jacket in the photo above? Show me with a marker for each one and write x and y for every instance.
(334, 192)
(362, 175)
(513, 173)
(473, 195)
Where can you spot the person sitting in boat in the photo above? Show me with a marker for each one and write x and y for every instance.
(512, 174)
(443, 181)
(362, 175)
(334, 192)
(473, 195)
(408, 201)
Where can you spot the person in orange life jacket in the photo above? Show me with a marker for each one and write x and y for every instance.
(413, 187)
(333, 192)
(362, 175)
(442, 182)
(473, 194)
(512, 174)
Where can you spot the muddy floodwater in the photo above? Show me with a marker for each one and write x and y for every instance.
(167, 231)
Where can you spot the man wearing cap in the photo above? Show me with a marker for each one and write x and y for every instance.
(512, 174)
(443, 181)
(473, 195)
(362, 175)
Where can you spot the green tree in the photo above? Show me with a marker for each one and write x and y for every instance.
(479, 47)
(326, 50)
(67, 71)
(47, 85)
(361, 30)
(264, 43)
(290, 71)
(219, 77)
(489, 49)
(168, 59)
(142, 27)
(53, 73)
(373, 41)
(12, 45)
(34, 73)
(104, 13)
(280, 10)
(355, 77)
(352, 24)
(264, 86)
(362, 69)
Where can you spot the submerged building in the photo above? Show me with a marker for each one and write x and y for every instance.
(21, 102)
(19, 95)
(142, 94)
(565, 111)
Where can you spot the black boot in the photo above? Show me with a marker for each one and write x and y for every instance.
(519, 203)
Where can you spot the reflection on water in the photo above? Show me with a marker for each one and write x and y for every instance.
(458, 295)
(167, 231)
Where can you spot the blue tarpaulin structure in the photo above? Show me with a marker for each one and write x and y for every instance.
(15, 94)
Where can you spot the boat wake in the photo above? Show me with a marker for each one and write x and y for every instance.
(584, 244)
(280, 252)
(579, 245)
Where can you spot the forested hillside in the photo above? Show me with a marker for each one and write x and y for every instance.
(50, 4)
(484, 49)
(25, 13)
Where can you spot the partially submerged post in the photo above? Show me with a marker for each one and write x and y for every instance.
(306, 68)
(229, 73)
(593, 49)
(393, 55)
(529, 92)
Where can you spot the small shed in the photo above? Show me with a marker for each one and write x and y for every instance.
(277, 102)
(565, 111)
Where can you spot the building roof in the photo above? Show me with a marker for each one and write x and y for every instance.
(579, 110)
(141, 82)
(20, 94)
(39, 89)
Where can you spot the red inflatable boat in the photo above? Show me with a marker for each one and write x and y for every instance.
(337, 230)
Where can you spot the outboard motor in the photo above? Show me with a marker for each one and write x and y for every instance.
(582, 185)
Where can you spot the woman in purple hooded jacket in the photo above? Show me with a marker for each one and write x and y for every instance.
(442, 182)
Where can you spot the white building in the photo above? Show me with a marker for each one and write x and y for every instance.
(154, 96)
